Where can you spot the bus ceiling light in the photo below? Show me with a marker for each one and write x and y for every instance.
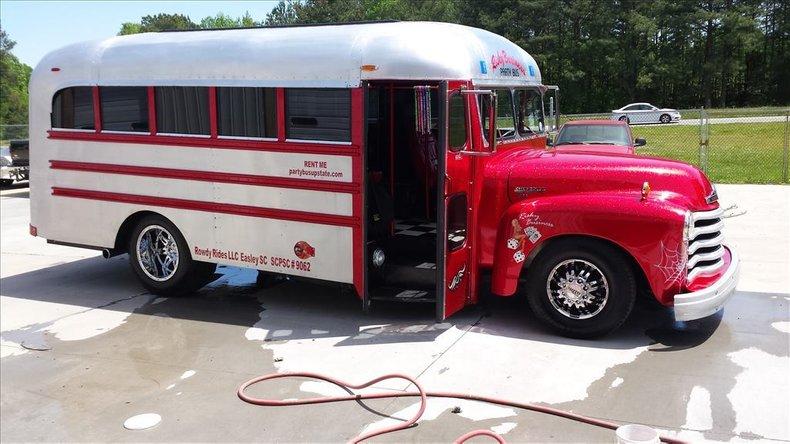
(55, 69)
(645, 190)
(378, 257)
(369, 68)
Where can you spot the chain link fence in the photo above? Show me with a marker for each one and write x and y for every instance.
(746, 145)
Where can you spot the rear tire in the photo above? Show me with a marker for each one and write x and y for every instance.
(160, 257)
(665, 118)
(581, 288)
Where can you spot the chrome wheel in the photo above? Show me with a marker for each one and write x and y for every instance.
(665, 118)
(157, 253)
(577, 289)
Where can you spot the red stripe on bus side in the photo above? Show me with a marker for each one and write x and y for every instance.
(207, 176)
(207, 142)
(210, 207)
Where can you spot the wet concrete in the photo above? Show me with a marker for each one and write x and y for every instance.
(107, 351)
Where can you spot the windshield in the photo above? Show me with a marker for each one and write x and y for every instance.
(519, 113)
(593, 134)
(529, 105)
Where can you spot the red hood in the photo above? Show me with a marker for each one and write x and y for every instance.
(569, 172)
(606, 149)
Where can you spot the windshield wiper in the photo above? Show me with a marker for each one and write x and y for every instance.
(600, 143)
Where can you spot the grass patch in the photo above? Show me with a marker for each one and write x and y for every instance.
(737, 112)
(737, 152)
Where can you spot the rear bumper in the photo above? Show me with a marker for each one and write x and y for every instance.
(705, 302)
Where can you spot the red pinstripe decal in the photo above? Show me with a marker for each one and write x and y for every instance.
(199, 142)
(211, 207)
(207, 176)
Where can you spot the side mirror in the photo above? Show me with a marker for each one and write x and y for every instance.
(640, 141)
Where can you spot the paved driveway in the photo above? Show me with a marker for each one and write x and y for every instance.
(84, 348)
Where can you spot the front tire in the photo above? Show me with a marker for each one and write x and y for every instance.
(581, 288)
(159, 256)
(665, 118)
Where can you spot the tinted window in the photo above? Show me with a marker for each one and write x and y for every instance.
(631, 108)
(246, 112)
(457, 125)
(73, 108)
(318, 114)
(182, 110)
(124, 108)
(529, 105)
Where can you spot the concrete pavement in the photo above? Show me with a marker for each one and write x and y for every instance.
(84, 348)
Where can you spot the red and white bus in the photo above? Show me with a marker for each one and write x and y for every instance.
(406, 160)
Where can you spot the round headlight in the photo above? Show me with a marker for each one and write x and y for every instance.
(378, 257)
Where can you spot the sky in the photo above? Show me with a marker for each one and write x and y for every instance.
(38, 27)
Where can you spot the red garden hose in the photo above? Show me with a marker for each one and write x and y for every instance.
(423, 402)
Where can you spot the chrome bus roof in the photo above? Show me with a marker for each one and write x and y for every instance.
(304, 56)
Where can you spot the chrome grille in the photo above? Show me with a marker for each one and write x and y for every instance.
(705, 249)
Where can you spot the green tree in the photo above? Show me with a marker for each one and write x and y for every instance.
(14, 77)
(222, 20)
(158, 22)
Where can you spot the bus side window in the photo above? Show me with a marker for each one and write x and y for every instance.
(124, 108)
(247, 112)
(318, 114)
(182, 110)
(72, 108)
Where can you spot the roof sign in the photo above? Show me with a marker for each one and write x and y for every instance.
(507, 65)
(483, 68)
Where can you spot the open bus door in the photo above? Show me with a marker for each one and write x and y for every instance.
(461, 142)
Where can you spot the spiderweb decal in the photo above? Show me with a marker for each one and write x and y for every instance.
(673, 263)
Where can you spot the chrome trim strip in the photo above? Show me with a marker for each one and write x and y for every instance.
(696, 245)
(703, 215)
(704, 270)
(696, 231)
(715, 254)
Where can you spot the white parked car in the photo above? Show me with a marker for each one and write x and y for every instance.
(645, 113)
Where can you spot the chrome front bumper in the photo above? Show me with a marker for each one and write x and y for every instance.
(707, 301)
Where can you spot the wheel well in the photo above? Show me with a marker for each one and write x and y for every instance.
(122, 237)
(643, 287)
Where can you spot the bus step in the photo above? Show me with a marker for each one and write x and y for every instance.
(409, 277)
(402, 295)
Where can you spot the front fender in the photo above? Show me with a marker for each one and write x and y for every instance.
(650, 231)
